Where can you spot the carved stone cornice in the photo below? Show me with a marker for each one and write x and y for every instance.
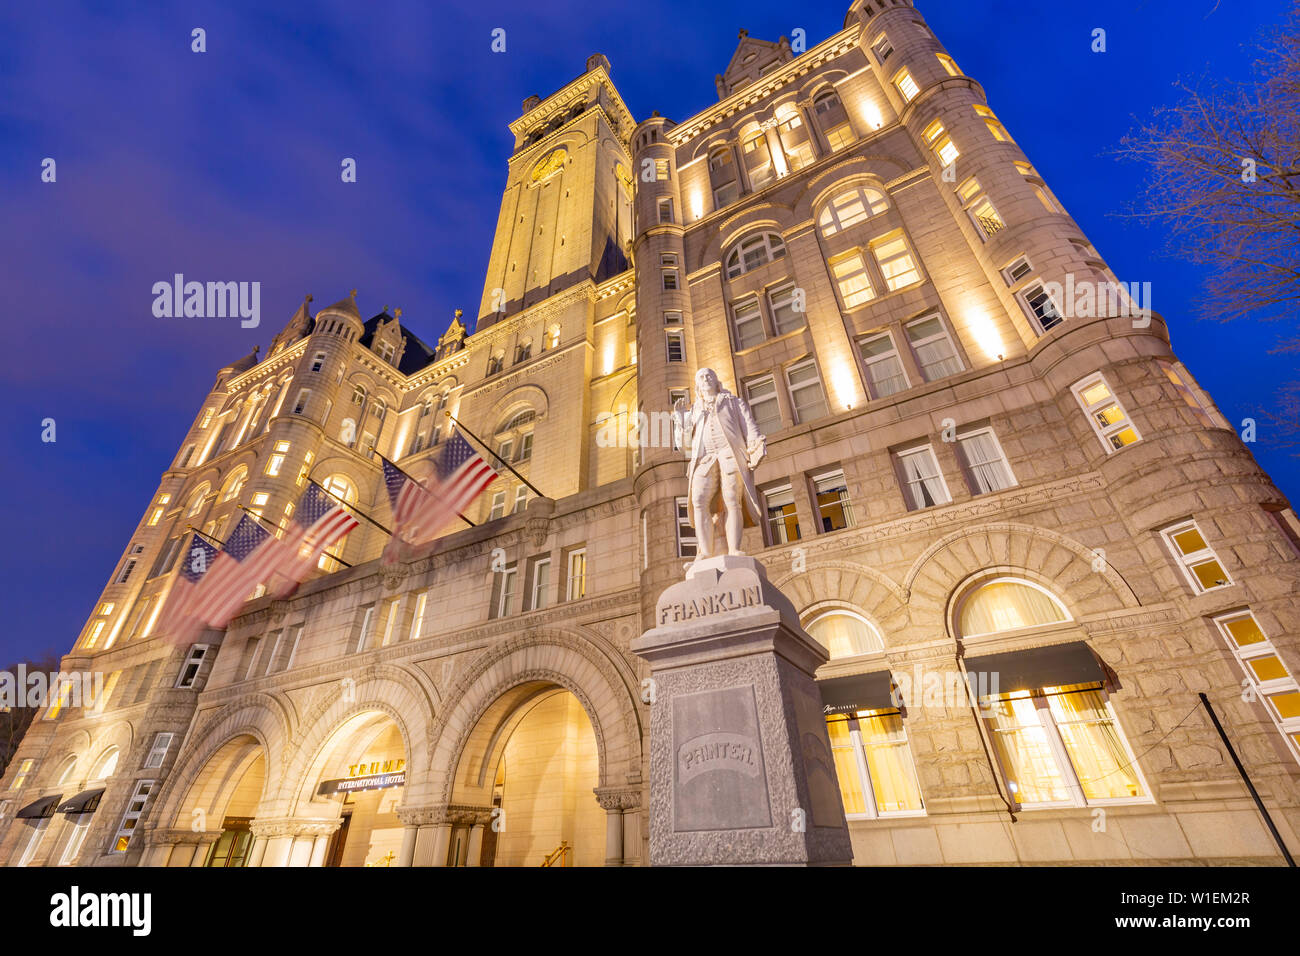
(293, 827)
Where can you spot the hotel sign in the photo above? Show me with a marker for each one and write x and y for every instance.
(372, 781)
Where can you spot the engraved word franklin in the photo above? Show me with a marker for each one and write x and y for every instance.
(718, 602)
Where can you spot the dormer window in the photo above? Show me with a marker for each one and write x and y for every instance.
(387, 351)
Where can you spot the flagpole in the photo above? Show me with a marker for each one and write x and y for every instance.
(461, 426)
(275, 529)
(421, 485)
(351, 506)
(219, 544)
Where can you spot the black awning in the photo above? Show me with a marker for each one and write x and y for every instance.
(1051, 666)
(40, 809)
(841, 695)
(84, 802)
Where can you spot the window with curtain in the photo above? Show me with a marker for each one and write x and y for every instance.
(922, 481)
(1007, 605)
(985, 462)
(845, 635)
(1062, 746)
(874, 764)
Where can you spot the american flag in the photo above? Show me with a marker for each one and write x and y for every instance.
(245, 560)
(419, 511)
(318, 522)
(177, 624)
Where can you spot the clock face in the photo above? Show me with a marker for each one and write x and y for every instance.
(550, 164)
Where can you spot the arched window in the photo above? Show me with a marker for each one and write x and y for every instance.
(196, 502)
(1008, 604)
(64, 773)
(722, 176)
(106, 764)
(379, 408)
(234, 484)
(341, 487)
(749, 254)
(845, 634)
(832, 119)
(516, 420)
(758, 159)
(358, 395)
(496, 363)
(850, 208)
(523, 351)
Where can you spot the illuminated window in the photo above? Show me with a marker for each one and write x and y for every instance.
(980, 209)
(906, 85)
(896, 262)
(1274, 684)
(758, 160)
(134, 810)
(831, 494)
(106, 765)
(686, 543)
(1061, 746)
(793, 135)
(760, 395)
(940, 143)
(850, 208)
(986, 463)
(782, 522)
(923, 483)
(305, 469)
(276, 461)
(1197, 559)
(756, 251)
(24, 771)
(1008, 604)
(1108, 418)
(575, 586)
(234, 484)
(933, 347)
(949, 64)
(840, 137)
(747, 323)
(845, 634)
(806, 395)
(874, 764)
(661, 169)
(207, 417)
(885, 373)
(852, 280)
(159, 509)
(96, 630)
(999, 132)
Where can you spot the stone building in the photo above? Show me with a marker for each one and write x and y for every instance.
(1025, 534)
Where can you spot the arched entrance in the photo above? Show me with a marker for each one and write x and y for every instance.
(533, 764)
(357, 778)
(224, 799)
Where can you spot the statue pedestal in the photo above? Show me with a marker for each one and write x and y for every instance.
(741, 771)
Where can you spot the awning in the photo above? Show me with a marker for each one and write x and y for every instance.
(40, 809)
(1072, 663)
(856, 692)
(84, 802)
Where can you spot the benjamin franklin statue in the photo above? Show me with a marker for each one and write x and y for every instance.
(726, 446)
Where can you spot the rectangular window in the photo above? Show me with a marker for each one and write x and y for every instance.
(301, 404)
(906, 85)
(896, 262)
(840, 137)
(760, 395)
(249, 662)
(38, 833)
(670, 280)
(933, 347)
(388, 620)
(24, 771)
(540, 595)
(665, 210)
(834, 510)
(923, 484)
(782, 522)
(186, 455)
(75, 839)
(883, 48)
(686, 544)
(874, 764)
(505, 591)
(940, 143)
(1040, 307)
(1182, 384)
(575, 581)
(661, 169)
(806, 395)
(1274, 684)
(747, 320)
(1016, 271)
(363, 632)
(1108, 418)
(949, 64)
(986, 463)
(980, 209)
(521, 500)
(276, 461)
(997, 129)
(725, 194)
(498, 505)
(158, 752)
(853, 281)
(134, 810)
(96, 630)
(782, 301)
(126, 572)
(505, 449)
(676, 347)
(293, 647)
(672, 317)
(1197, 559)
(1061, 746)
(189, 674)
(317, 361)
(885, 373)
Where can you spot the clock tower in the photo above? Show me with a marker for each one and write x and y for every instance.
(566, 212)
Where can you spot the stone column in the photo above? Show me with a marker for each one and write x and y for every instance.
(441, 844)
(406, 856)
(741, 771)
(290, 841)
(618, 802)
(475, 850)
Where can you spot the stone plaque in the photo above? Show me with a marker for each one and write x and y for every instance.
(719, 781)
